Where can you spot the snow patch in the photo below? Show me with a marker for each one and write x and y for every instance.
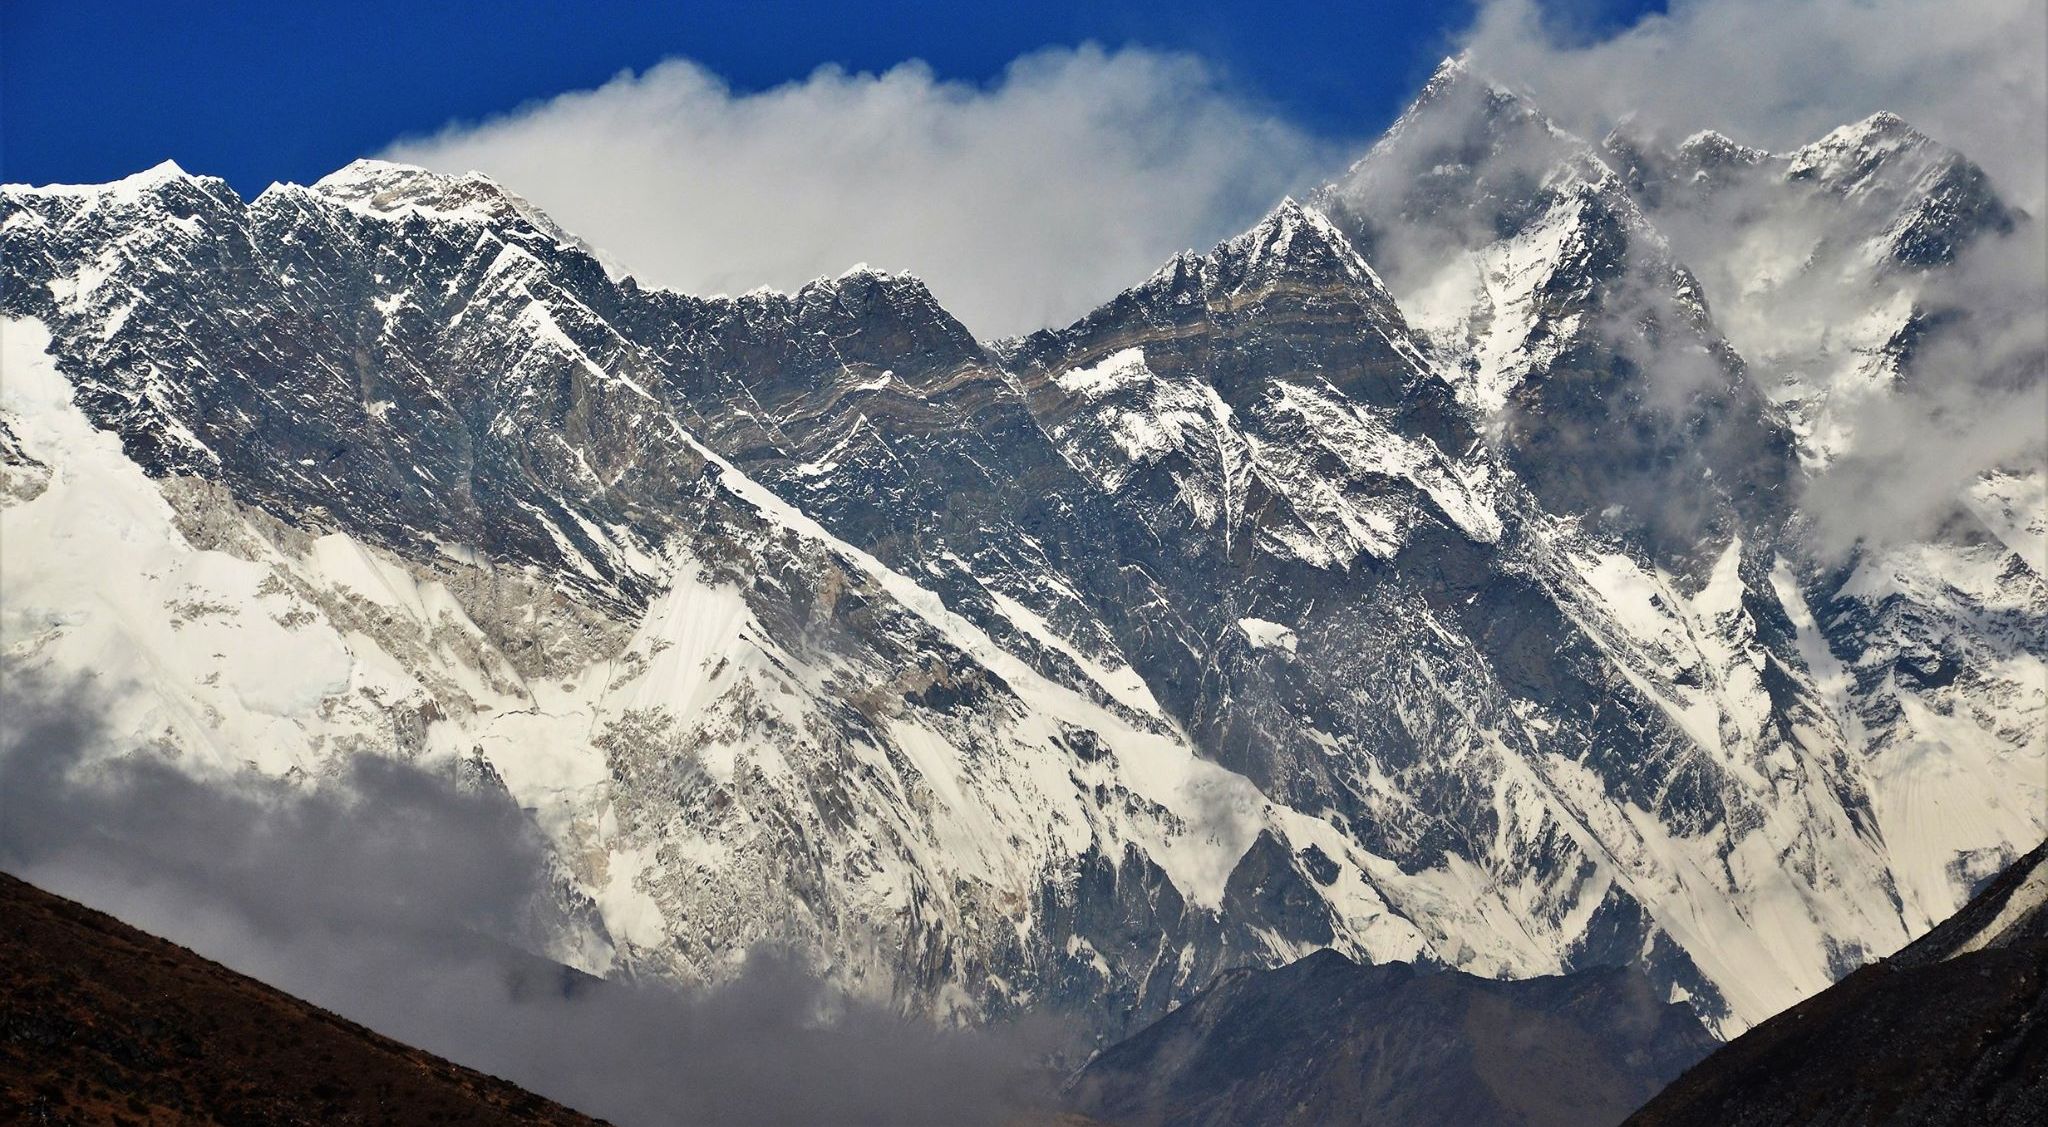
(1265, 635)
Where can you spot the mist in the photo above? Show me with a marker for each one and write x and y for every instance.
(406, 901)
(1972, 400)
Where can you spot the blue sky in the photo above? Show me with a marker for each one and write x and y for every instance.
(93, 90)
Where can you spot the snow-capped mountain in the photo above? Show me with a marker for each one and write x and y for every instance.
(1422, 574)
(1579, 340)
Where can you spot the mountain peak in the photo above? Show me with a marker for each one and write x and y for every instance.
(1882, 156)
(1885, 122)
(370, 169)
(860, 273)
(151, 179)
(1455, 71)
(1712, 149)
(390, 188)
(858, 278)
(1458, 73)
(164, 170)
(1285, 218)
(1451, 68)
(886, 304)
(870, 287)
(1292, 233)
(1859, 144)
(1460, 118)
(1294, 242)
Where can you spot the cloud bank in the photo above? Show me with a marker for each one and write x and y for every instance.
(406, 902)
(1972, 400)
(1022, 203)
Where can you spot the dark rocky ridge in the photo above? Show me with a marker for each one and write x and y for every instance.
(1952, 1030)
(1324, 1040)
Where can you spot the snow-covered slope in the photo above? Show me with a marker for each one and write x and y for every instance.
(874, 756)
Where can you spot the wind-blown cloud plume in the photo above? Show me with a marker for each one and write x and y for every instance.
(399, 899)
(1022, 203)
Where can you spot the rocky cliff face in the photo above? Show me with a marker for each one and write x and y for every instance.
(1423, 574)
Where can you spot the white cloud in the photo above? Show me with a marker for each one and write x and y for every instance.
(1971, 73)
(1022, 203)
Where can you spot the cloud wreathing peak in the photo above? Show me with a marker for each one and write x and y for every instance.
(1972, 400)
(1023, 202)
(1778, 75)
(1968, 397)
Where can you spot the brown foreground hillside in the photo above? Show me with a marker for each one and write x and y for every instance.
(1952, 1030)
(103, 1024)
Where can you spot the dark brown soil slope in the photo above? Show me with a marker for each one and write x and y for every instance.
(101, 1023)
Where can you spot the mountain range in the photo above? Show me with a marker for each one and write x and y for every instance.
(1462, 566)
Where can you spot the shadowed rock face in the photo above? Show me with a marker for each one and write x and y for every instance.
(1951, 1030)
(1324, 1040)
(102, 1023)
